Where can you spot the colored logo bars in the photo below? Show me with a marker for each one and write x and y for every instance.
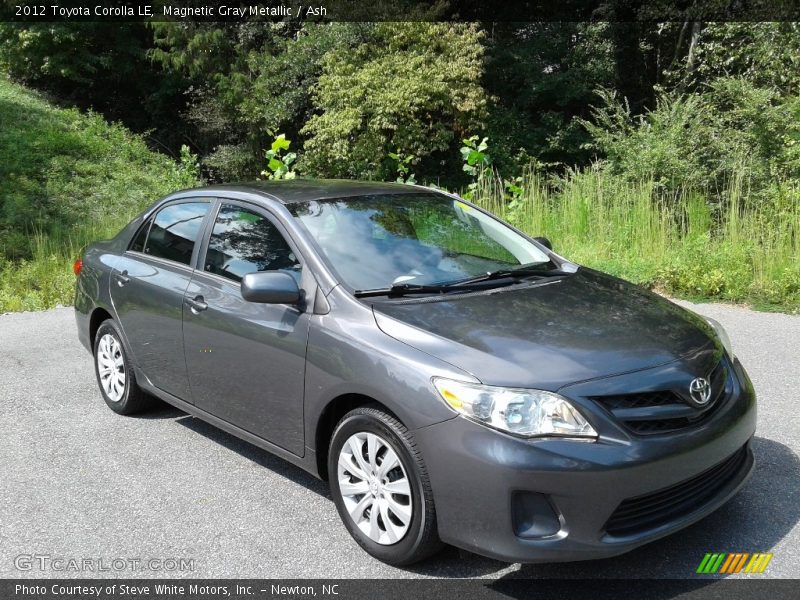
(734, 562)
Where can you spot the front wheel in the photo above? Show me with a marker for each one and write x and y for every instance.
(380, 487)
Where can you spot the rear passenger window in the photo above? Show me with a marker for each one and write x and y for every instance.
(175, 230)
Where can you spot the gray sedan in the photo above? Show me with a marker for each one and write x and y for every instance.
(453, 379)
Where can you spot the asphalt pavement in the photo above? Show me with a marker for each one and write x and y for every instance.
(80, 482)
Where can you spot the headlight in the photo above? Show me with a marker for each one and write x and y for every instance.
(723, 336)
(527, 413)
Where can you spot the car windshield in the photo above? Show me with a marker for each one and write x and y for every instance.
(380, 241)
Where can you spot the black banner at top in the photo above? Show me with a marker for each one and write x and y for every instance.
(401, 10)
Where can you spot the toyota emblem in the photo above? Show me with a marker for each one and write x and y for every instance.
(700, 391)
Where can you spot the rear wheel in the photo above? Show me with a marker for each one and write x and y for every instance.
(115, 376)
(380, 487)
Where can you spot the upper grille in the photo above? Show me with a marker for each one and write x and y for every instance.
(663, 411)
(657, 508)
(641, 400)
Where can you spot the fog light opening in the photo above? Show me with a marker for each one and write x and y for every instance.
(533, 515)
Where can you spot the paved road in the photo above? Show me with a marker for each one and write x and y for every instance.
(76, 480)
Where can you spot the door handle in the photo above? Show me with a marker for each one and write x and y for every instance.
(122, 278)
(196, 304)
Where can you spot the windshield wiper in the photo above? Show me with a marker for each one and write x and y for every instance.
(402, 289)
(526, 271)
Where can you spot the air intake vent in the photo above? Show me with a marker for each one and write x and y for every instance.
(641, 513)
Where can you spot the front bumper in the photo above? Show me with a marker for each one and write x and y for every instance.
(478, 476)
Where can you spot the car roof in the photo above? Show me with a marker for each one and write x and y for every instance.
(302, 190)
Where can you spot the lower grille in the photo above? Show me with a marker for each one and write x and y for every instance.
(658, 508)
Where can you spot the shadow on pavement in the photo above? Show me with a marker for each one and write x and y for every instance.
(255, 454)
(161, 410)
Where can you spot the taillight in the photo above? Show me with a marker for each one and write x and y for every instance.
(77, 266)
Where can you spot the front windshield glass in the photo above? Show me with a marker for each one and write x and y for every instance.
(382, 240)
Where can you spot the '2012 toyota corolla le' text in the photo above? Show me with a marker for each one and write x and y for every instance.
(454, 380)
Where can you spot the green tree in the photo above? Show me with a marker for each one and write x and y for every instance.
(249, 81)
(277, 94)
(415, 87)
(213, 59)
(539, 77)
(764, 54)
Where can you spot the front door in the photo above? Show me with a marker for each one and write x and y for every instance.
(246, 361)
(147, 289)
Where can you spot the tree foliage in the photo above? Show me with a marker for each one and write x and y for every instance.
(682, 102)
(247, 82)
(539, 77)
(730, 106)
(765, 54)
(698, 122)
(413, 86)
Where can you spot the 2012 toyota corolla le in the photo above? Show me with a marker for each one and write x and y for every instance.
(454, 380)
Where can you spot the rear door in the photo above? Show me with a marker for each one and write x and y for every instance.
(246, 361)
(148, 286)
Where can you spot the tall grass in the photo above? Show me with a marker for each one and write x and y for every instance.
(685, 242)
(45, 279)
(675, 241)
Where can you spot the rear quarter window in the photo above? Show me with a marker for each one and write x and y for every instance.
(138, 242)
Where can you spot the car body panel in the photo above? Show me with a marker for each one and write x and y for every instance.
(349, 355)
(150, 306)
(550, 333)
(92, 287)
(246, 361)
(585, 481)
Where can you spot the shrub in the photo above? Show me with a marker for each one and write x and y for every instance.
(675, 242)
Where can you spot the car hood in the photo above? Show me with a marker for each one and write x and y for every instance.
(549, 333)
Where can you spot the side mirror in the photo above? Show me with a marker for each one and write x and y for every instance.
(270, 287)
(544, 242)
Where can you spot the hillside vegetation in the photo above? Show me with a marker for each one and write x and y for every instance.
(66, 178)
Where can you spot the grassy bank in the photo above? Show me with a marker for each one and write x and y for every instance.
(679, 243)
(65, 178)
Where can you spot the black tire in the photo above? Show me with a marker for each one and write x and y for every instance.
(421, 539)
(133, 399)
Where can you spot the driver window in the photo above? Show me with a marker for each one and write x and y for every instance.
(244, 241)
